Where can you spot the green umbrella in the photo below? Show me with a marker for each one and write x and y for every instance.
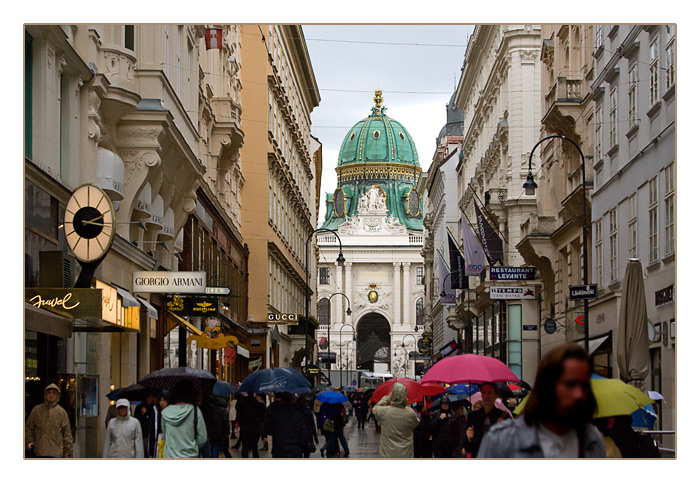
(613, 397)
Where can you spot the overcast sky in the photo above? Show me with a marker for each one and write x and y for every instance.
(417, 78)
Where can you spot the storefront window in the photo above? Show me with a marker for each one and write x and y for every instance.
(514, 336)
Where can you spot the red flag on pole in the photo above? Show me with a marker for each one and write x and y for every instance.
(214, 38)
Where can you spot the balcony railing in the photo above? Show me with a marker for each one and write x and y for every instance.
(567, 88)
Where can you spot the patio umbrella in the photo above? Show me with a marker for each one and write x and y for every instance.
(613, 398)
(331, 397)
(167, 378)
(277, 379)
(632, 334)
(469, 368)
(414, 391)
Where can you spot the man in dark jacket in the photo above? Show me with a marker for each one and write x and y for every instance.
(250, 415)
(145, 414)
(312, 437)
(285, 423)
(421, 435)
(442, 430)
(479, 422)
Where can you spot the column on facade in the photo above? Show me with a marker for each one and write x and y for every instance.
(348, 288)
(397, 292)
(406, 293)
(338, 300)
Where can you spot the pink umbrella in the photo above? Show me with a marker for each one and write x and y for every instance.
(499, 403)
(469, 368)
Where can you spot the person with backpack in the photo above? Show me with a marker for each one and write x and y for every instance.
(184, 429)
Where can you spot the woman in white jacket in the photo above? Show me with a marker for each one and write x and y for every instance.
(123, 438)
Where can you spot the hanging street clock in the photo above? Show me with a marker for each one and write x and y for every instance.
(89, 223)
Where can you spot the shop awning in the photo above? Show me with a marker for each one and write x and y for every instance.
(40, 320)
(185, 323)
(593, 344)
(152, 312)
(128, 300)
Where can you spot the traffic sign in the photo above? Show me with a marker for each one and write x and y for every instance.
(218, 291)
(583, 292)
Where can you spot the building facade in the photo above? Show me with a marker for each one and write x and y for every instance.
(151, 116)
(438, 187)
(552, 236)
(279, 194)
(633, 202)
(377, 213)
(499, 94)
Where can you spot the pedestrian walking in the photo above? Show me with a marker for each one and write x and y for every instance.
(250, 414)
(481, 420)
(210, 448)
(154, 428)
(123, 438)
(47, 431)
(340, 418)
(162, 404)
(145, 413)
(232, 414)
(556, 420)
(285, 423)
(397, 421)
(442, 430)
(262, 423)
(308, 415)
(184, 429)
(326, 423)
(422, 444)
(362, 410)
(221, 416)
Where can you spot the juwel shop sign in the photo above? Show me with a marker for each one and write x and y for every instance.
(170, 282)
(73, 303)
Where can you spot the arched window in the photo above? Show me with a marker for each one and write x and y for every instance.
(324, 311)
(419, 309)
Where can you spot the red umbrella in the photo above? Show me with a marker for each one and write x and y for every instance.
(469, 368)
(415, 391)
(431, 388)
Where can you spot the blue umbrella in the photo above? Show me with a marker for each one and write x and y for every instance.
(467, 389)
(223, 388)
(277, 379)
(331, 397)
(454, 400)
(644, 417)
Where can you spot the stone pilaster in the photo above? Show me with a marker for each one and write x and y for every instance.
(397, 292)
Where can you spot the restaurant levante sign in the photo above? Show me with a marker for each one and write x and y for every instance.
(73, 303)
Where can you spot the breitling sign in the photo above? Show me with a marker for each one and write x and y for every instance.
(192, 306)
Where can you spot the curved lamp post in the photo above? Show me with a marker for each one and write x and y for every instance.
(340, 341)
(530, 187)
(341, 262)
(415, 341)
(349, 312)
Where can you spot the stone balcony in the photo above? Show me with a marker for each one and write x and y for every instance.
(564, 99)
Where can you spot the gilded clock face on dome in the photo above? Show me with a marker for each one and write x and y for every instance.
(89, 223)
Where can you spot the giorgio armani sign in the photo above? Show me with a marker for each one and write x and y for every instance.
(170, 282)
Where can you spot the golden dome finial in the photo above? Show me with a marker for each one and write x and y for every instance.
(378, 99)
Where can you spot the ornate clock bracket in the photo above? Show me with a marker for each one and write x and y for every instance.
(87, 272)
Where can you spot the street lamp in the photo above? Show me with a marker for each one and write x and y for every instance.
(415, 341)
(349, 312)
(340, 342)
(530, 186)
(341, 262)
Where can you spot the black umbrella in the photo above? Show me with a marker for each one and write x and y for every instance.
(504, 391)
(167, 378)
(135, 392)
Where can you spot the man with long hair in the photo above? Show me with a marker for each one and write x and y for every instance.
(556, 420)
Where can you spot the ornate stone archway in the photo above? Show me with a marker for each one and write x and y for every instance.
(373, 340)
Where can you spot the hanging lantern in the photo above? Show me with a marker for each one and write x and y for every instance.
(214, 38)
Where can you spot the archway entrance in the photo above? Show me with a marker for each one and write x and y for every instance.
(373, 343)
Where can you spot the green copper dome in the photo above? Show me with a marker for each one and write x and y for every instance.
(378, 138)
(377, 151)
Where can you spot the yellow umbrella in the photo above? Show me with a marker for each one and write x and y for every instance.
(614, 398)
